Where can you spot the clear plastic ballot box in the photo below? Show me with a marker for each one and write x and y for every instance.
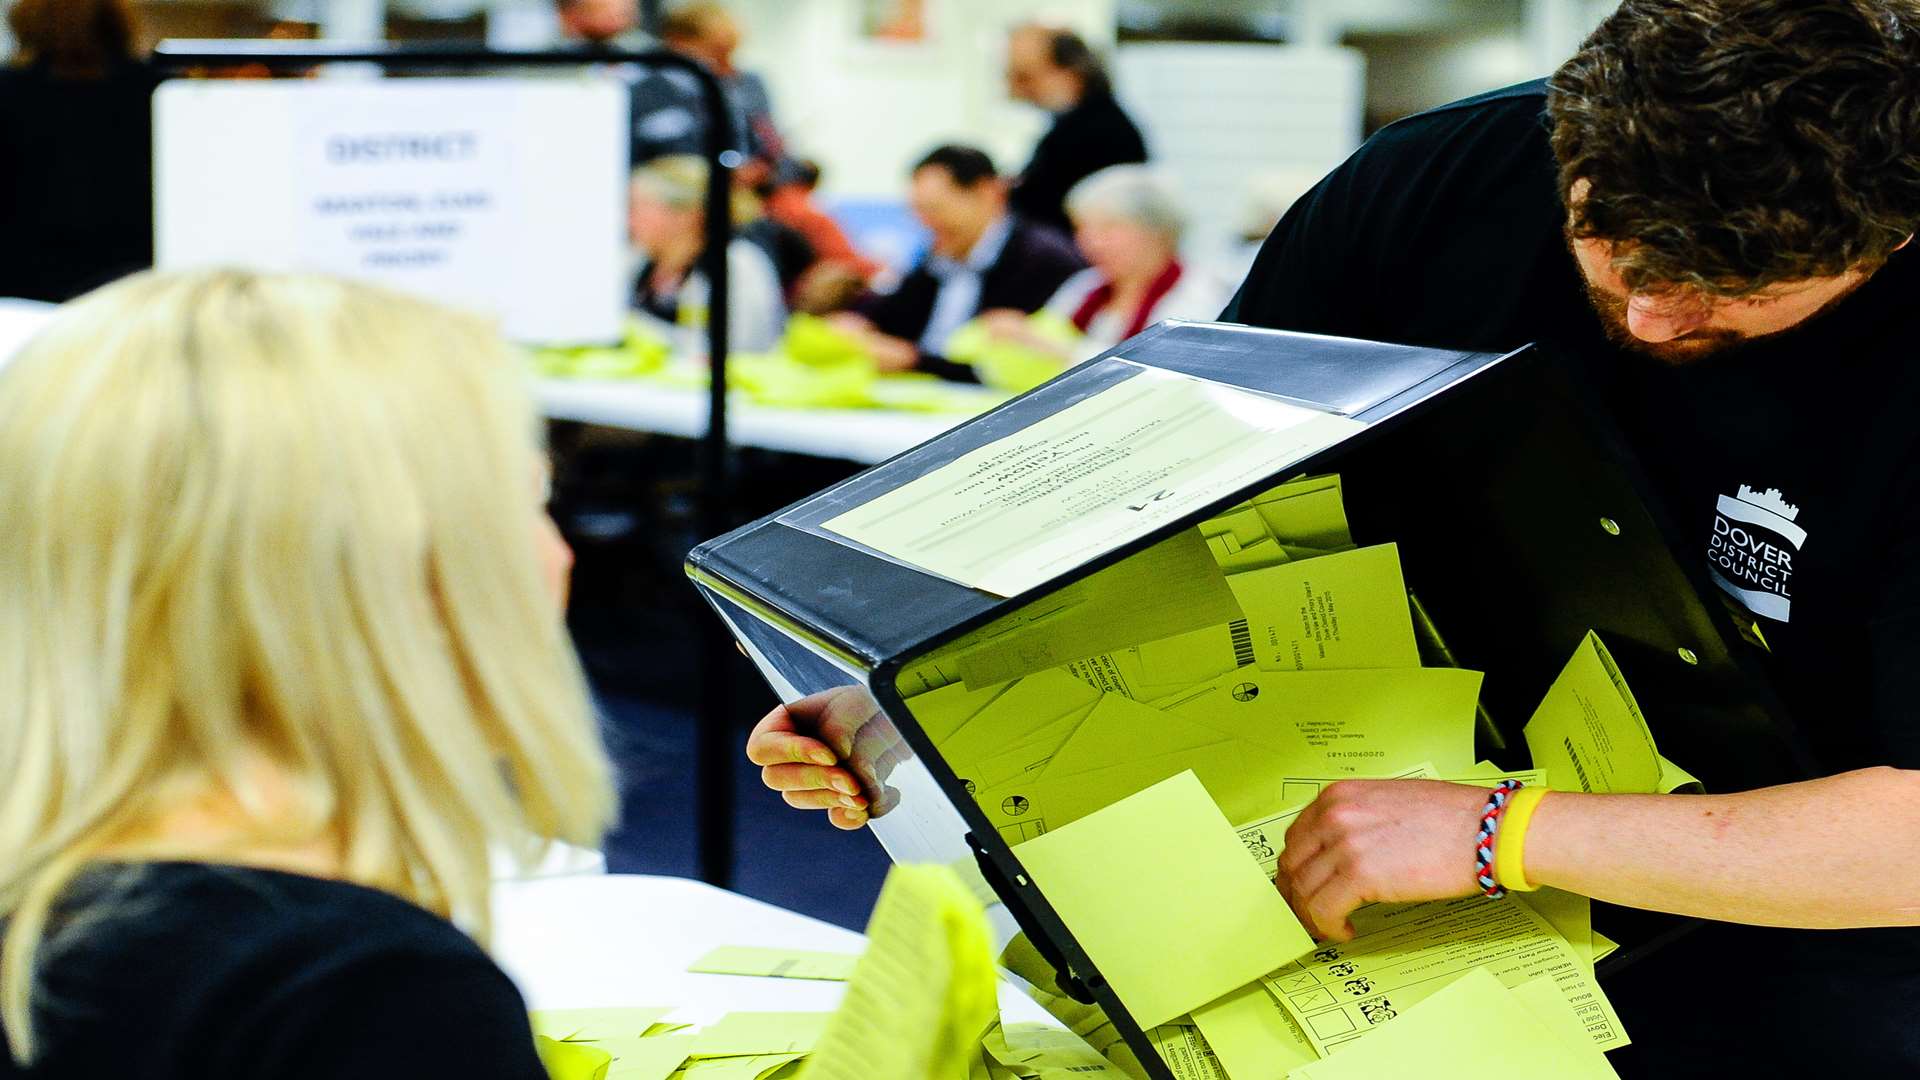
(1062, 532)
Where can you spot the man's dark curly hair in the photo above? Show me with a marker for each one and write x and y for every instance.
(1730, 145)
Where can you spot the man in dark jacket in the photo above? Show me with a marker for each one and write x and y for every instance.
(984, 257)
(1057, 71)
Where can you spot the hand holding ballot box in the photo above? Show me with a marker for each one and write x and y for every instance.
(1106, 642)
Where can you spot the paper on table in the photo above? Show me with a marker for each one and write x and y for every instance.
(572, 1061)
(1355, 721)
(1106, 470)
(1404, 951)
(653, 1058)
(1337, 612)
(1589, 733)
(1124, 879)
(596, 1025)
(924, 990)
(1603, 946)
(760, 1033)
(1253, 1036)
(1449, 1037)
(1569, 913)
(744, 1067)
(776, 963)
(1170, 588)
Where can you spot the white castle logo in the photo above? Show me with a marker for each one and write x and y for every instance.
(1769, 500)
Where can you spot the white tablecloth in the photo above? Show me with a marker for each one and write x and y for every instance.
(590, 941)
(863, 435)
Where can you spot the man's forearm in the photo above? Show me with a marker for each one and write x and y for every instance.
(1843, 851)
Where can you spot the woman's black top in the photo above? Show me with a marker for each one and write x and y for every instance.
(171, 971)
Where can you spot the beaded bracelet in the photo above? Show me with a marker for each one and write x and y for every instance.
(1483, 847)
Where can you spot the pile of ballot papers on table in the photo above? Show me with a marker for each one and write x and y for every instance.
(1144, 735)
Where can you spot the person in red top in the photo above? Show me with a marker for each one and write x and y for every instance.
(790, 202)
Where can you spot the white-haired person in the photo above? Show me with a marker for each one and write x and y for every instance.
(283, 659)
(667, 219)
(1128, 222)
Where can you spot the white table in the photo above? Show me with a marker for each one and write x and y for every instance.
(590, 941)
(863, 435)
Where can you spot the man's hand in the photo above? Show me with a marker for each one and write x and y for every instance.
(830, 751)
(1366, 841)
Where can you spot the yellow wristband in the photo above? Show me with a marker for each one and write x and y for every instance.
(1510, 843)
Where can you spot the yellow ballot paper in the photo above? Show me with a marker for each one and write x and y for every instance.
(923, 992)
(1126, 879)
(1104, 471)
(1306, 513)
(744, 1034)
(1337, 612)
(1184, 1050)
(1047, 1053)
(596, 1025)
(1589, 733)
(1465, 1030)
(1170, 588)
(572, 1061)
(1252, 1034)
(1355, 722)
(1404, 952)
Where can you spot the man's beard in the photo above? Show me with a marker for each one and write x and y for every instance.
(1692, 347)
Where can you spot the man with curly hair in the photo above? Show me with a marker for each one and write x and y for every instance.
(1707, 207)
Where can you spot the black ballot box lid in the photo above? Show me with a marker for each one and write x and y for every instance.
(1521, 525)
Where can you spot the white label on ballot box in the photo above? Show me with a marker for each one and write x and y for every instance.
(1025, 509)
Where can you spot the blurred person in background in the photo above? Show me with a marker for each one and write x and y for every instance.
(788, 248)
(1056, 70)
(76, 150)
(1127, 222)
(984, 257)
(601, 22)
(311, 670)
(667, 219)
(790, 200)
(669, 115)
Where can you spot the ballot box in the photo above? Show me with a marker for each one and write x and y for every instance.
(1165, 598)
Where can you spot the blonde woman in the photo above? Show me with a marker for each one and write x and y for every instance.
(282, 656)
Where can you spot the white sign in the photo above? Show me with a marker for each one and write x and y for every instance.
(506, 196)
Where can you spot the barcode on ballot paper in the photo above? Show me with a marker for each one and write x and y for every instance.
(1242, 643)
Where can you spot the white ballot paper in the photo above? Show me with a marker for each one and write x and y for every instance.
(1107, 470)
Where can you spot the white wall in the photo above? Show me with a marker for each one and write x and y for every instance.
(1225, 119)
(866, 110)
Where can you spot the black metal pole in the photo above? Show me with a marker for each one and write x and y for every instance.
(715, 749)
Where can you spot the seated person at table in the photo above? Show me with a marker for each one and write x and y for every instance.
(668, 219)
(983, 258)
(1127, 221)
(285, 662)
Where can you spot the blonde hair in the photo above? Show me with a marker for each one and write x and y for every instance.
(284, 519)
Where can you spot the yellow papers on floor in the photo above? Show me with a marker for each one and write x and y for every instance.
(1355, 722)
(1169, 588)
(1403, 952)
(924, 990)
(1464, 1031)
(1107, 470)
(1158, 890)
(1589, 734)
(1336, 612)
(1254, 1037)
